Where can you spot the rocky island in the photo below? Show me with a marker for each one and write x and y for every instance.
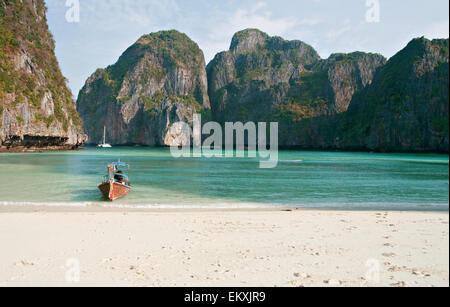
(36, 107)
(263, 78)
(158, 81)
(356, 101)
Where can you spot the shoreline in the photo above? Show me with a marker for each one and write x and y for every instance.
(24, 149)
(110, 207)
(225, 248)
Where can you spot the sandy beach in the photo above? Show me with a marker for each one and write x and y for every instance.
(223, 248)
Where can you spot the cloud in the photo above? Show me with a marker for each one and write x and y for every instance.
(309, 21)
(264, 21)
(335, 34)
(438, 30)
(108, 27)
(258, 6)
(257, 16)
(112, 14)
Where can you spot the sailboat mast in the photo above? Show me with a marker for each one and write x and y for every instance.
(104, 135)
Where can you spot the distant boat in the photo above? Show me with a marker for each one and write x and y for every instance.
(104, 144)
(115, 184)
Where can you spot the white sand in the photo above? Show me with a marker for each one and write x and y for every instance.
(228, 248)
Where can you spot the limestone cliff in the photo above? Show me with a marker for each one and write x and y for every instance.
(406, 107)
(355, 101)
(263, 78)
(36, 108)
(158, 81)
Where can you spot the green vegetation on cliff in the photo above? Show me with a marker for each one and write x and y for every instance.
(159, 78)
(263, 78)
(355, 101)
(349, 101)
(407, 105)
(28, 66)
(167, 50)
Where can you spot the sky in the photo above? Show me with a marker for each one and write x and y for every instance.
(91, 34)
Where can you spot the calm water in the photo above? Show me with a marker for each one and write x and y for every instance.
(302, 179)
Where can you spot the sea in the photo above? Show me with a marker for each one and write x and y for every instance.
(302, 179)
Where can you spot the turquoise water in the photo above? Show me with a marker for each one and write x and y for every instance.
(302, 179)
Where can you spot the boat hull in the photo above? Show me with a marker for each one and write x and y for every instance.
(114, 191)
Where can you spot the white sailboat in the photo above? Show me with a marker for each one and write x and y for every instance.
(104, 144)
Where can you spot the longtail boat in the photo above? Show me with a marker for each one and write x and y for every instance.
(115, 183)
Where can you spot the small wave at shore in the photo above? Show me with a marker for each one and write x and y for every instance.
(109, 205)
(217, 206)
(290, 161)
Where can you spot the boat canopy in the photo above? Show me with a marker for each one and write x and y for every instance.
(119, 164)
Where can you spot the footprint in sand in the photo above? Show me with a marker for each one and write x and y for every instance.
(24, 263)
(400, 284)
(297, 284)
(302, 275)
(420, 273)
(398, 269)
(389, 255)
